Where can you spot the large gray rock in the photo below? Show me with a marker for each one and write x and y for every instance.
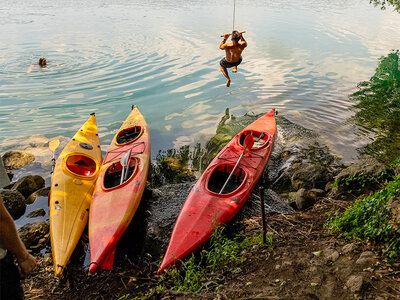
(14, 201)
(307, 198)
(35, 235)
(28, 184)
(365, 175)
(310, 176)
(17, 159)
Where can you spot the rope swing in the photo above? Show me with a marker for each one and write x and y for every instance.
(234, 11)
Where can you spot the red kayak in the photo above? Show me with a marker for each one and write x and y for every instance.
(118, 190)
(218, 195)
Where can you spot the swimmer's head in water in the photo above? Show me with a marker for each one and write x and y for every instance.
(42, 61)
(235, 35)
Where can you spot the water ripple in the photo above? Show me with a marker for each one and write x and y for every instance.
(304, 58)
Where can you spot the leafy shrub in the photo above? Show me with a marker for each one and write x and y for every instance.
(369, 218)
(360, 182)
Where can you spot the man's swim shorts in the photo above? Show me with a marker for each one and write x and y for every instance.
(224, 63)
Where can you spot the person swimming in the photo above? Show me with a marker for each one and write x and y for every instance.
(42, 63)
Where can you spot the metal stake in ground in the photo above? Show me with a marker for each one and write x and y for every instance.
(261, 190)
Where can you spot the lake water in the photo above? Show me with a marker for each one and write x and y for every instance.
(303, 58)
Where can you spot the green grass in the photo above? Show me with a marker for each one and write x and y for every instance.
(222, 252)
(369, 219)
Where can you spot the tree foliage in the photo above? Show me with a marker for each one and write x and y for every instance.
(385, 3)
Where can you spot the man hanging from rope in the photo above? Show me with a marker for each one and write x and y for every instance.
(233, 53)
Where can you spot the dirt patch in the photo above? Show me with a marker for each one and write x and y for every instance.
(306, 262)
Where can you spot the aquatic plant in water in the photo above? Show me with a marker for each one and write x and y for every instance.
(179, 165)
(378, 109)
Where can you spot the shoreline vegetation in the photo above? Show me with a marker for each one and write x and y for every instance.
(333, 229)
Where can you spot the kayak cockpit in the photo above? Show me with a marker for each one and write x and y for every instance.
(129, 135)
(260, 138)
(81, 165)
(220, 175)
(112, 177)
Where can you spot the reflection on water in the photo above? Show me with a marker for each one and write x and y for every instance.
(378, 109)
(304, 58)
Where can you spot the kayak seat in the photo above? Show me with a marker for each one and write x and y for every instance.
(128, 135)
(81, 165)
(221, 174)
(258, 142)
(112, 177)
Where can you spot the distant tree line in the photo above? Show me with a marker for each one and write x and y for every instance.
(385, 3)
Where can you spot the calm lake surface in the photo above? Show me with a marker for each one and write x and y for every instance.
(303, 57)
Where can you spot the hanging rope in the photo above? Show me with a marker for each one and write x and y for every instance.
(234, 10)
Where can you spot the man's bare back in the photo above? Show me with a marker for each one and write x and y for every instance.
(233, 52)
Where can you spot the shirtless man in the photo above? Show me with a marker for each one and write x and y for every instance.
(233, 52)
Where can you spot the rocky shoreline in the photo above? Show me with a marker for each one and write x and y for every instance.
(299, 179)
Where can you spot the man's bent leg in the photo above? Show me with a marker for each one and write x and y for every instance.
(234, 69)
(225, 72)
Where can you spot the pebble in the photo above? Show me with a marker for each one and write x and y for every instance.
(355, 283)
(333, 257)
(348, 248)
(366, 258)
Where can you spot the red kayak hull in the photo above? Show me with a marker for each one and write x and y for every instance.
(205, 207)
(114, 204)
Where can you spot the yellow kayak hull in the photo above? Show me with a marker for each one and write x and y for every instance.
(74, 178)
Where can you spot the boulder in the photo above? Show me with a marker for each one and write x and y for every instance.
(28, 184)
(365, 175)
(40, 212)
(285, 171)
(43, 192)
(14, 201)
(17, 159)
(394, 208)
(35, 235)
(305, 199)
(310, 176)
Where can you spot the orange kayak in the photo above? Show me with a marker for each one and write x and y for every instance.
(222, 189)
(119, 189)
(72, 186)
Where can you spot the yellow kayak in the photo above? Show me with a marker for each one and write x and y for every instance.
(72, 185)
